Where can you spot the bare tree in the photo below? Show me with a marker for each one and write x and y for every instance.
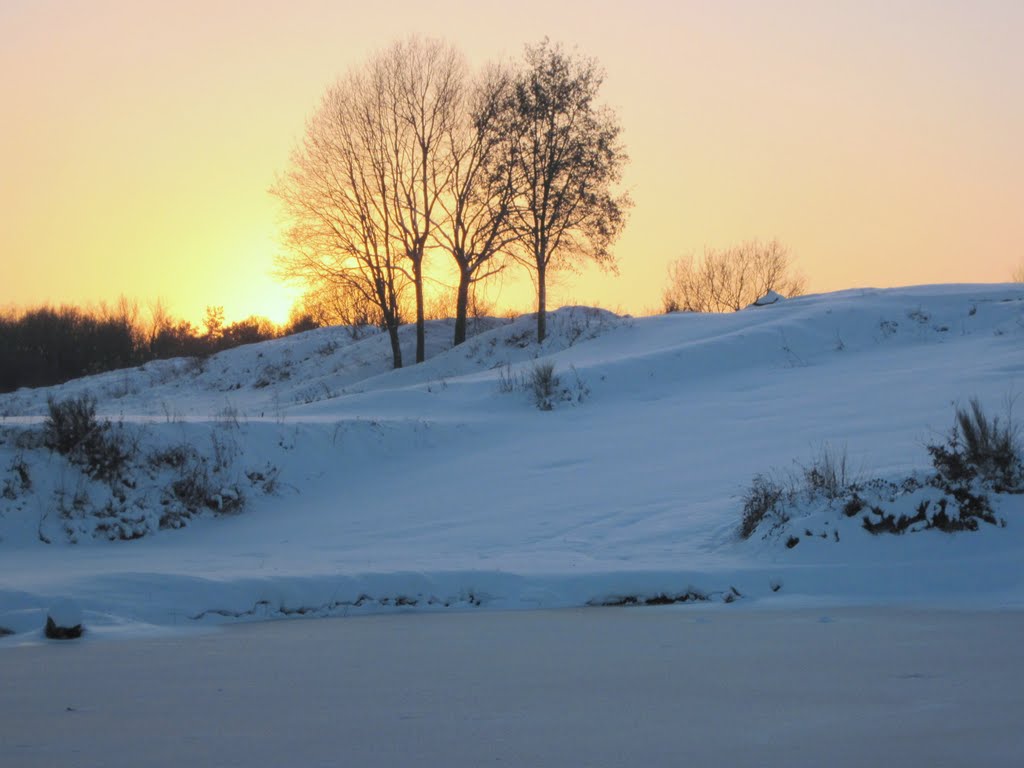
(338, 196)
(731, 279)
(476, 227)
(418, 86)
(1017, 275)
(404, 156)
(362, 189)
(213, 321)
(160, 321)
(568, 157)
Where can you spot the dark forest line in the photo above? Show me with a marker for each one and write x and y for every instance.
(46, 345)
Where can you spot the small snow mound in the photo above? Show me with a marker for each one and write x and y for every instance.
(64, 620)
(769, 298)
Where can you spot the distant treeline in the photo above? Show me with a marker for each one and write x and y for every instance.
(48, 345)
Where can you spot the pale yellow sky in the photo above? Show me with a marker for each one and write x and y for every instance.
(880, 140)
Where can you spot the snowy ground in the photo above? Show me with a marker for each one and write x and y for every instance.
(680, 685)
(442, 487)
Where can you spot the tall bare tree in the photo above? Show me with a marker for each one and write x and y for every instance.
(476, 227)
(338, 196)
(568, 158)
(418, 85)
(363, 189)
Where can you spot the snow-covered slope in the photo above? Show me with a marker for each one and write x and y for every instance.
(443, 485)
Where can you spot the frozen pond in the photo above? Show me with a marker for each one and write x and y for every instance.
(684, 685)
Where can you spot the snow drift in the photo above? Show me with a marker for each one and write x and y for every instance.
(442, 486)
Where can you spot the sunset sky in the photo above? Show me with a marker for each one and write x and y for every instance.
(882, 141)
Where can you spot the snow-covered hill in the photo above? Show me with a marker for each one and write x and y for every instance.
(442, 485)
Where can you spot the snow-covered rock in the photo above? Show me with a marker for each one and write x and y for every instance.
(64, 620)
(769, 298)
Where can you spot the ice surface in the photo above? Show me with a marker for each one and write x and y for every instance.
(693, 685)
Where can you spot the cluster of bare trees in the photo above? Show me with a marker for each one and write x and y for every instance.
(729, 280)
(45, 345)
(413, 155)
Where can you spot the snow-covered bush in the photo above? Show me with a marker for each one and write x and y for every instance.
(196, 483)
(827, 474)
(18, 480)
(979, 459)
(124, 481)
(69, 423)
(765, 499)
(979, 446)
(73, 430)
(543, 385)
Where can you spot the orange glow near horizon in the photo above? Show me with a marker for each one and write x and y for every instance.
(879, 141)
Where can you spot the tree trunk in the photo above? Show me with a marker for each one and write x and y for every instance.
(421, 336)
(461, 308)
(396, 347)
(542, 308)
